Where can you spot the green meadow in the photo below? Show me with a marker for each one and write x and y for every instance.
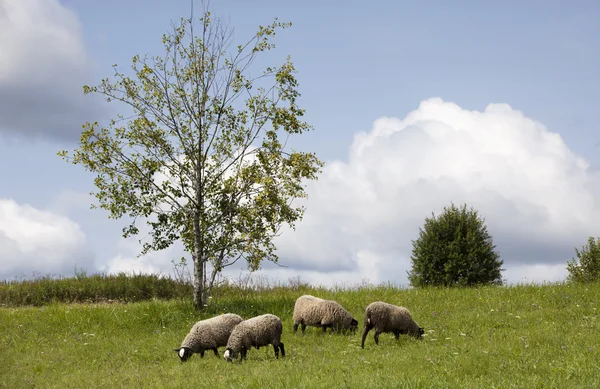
(524, 336)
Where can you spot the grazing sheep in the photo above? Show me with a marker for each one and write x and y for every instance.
(208, 334)
(316, 312)
(255, 332)
(386, 317)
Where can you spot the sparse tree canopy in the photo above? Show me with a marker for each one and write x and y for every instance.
(203, 158)
(587, 268)
(455, 249)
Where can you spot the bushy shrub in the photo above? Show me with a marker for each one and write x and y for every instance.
(455, 249)
(587, 269)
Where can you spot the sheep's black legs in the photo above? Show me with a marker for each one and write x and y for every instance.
(302, 325)
(202, 354)
(397, 334)
(364, 335)
(277, 348)
(376, 337)
(214, 349)
(244, 351)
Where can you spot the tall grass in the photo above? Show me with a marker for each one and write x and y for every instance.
(95, 288)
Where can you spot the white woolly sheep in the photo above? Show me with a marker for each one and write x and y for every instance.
(386, 317)
(208, 334)
(313, 311)
(255, 332)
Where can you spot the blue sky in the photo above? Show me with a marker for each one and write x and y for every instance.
(357, 63)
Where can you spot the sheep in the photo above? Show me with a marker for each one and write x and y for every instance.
(208, 334)
(258, 331)
(316, 312)
(386, 317)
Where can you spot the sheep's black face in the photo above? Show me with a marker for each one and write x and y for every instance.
(415, 332)
(353, 325)
(184, 353)
(229, 355)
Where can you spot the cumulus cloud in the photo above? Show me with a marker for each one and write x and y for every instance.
(38, 241)
(126, 260)
(538, 197)
(42, 69)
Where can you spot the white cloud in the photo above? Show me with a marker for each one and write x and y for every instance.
(537, 196)
(39, 241)
(173, 172)
(537, 273)
(36, 32)
(127, 261)
(539, 199)
(367, 270)
(43, 67)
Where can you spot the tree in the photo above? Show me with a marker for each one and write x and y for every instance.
(587, 269)
(196, 162)
(455, 249)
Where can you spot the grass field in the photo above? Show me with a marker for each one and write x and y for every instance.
(497, 337)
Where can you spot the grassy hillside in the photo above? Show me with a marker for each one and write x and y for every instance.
(504, 337)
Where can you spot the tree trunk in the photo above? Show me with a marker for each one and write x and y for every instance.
(199, 295)
(198, 283)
